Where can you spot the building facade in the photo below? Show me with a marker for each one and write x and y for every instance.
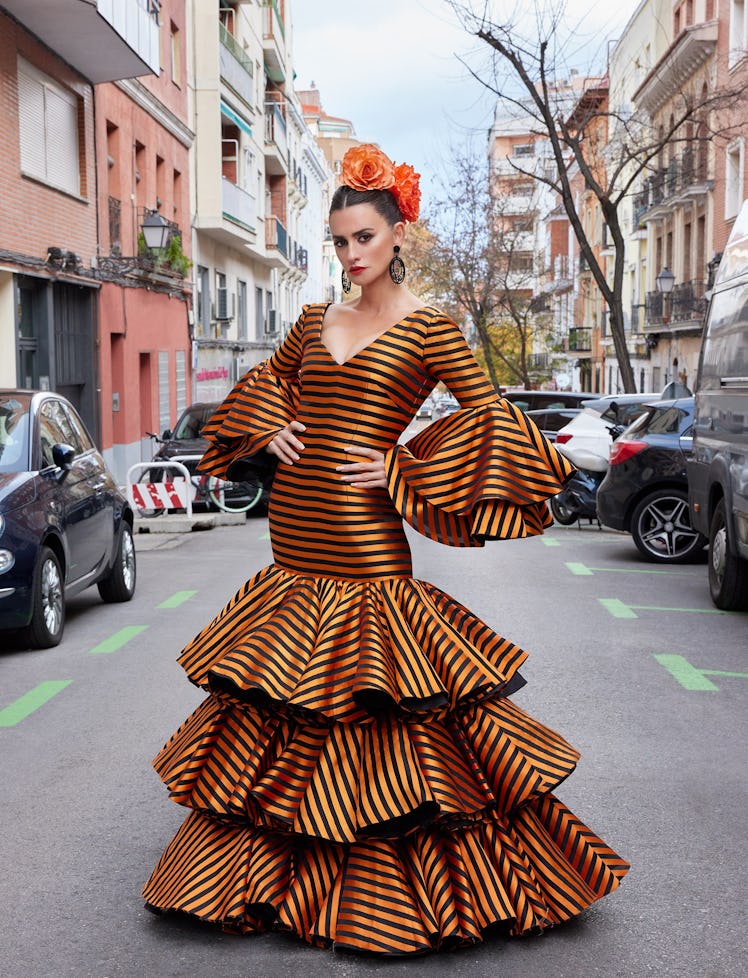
(50, 60)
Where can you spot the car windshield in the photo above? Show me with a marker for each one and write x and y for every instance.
(659, 421)
(14, 432)
(193, 421)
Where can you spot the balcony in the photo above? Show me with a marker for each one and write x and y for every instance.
(236, 67)
(276, 236)
(680, 310)
(276, 140)
(691, 48)
(238, 206)
(104, 40)
(580, 339)
(273, 41)
(686, 177)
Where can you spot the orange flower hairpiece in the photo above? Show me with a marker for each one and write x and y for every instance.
(366, 167)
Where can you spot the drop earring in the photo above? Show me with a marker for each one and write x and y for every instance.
(397, 267)
(345, 282)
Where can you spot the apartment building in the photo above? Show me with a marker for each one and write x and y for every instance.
(143, 140)
(258, 189)
(50, 60)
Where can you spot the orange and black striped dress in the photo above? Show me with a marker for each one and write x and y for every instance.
(358, 774)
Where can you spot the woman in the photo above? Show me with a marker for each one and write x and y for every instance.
(358, 774)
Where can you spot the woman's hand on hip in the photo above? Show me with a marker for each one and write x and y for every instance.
(286, 445)
(364, 475)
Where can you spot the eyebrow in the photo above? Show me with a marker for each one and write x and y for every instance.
(355, 233)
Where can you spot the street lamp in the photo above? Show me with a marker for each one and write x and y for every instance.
(665, 281)
(155, 231)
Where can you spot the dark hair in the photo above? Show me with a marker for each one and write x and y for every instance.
(382, 201)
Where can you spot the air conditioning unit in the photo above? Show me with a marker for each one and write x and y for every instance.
(224, 304)
(272, 322)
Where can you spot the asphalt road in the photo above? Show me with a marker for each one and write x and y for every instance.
(628, 660)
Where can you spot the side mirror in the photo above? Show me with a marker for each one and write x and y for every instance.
(167, 434)
(63, 456)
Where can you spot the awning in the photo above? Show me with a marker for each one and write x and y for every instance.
(235, 118)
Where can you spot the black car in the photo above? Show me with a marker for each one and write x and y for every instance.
(645, 490)
(186, 439)
(546, 400)
(64, 524)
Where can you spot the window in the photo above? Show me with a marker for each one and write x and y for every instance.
(737, 32)
(176, 60)
(181, 378)
(259, 315)
(48, 129)
(241, 288)
(55, 429)
(733, 178)
(164, 396)
(203, 301)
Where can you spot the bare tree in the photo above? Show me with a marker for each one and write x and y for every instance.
(476, 259)
(613, 151)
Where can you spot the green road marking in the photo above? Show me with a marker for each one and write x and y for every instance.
(691, 677)
(116, 641)
(550, 542)
(31, 701)
(617, 608)
(265, 536)
(696, 611)
(620, 610)
(176, 599)
(583, 570)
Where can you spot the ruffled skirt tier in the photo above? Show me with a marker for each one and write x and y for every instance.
(359, 777)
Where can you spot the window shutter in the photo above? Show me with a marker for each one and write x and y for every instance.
(31, 125)
(62, 140)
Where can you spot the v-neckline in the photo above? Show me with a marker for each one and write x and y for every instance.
(371, 342)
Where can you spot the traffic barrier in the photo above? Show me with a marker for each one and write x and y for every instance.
(175, 493)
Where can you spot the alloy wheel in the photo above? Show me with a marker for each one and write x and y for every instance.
(51, 596)
(661, 528)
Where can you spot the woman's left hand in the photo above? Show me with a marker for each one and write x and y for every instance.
(364, 475)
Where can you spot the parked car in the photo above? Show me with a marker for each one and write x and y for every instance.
(444, 404)
(645, 490)
(186, 439)
(718, 468)
(426, 410)
(588, 437)
(548, 400)
(64, 524)
(550, 421)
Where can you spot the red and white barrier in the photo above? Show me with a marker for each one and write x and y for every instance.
(176, 493)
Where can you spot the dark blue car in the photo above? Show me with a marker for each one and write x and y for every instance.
(64, 524)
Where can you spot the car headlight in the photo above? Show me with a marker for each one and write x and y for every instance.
(6, 560)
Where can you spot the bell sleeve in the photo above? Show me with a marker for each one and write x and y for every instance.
(263, 401)
(482, 473)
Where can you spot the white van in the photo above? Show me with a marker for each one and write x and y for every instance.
(718, 469)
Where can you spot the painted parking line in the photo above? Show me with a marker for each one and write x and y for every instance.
(582, 570)
(618, 609)
(26, 704)
(177, 599)
(116, 641)
(551, 541)
(692, 677)
(265, 535)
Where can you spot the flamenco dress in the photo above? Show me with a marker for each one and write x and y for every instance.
(358, 774)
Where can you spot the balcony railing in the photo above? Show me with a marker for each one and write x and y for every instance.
(237, 205)
(686, 303)
(275, 129)
(276, 236)
(687, 172)
(580, 339)
(236, 67)
(540, 361)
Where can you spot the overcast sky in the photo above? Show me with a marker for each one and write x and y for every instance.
(391, 67)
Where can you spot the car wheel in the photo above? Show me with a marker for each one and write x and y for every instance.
(562, 513)
(120, 584)
(728, 574)
(661, 528)
(48, 610)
